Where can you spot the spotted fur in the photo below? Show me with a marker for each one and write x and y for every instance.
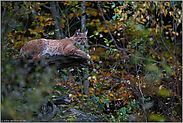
(39, 48)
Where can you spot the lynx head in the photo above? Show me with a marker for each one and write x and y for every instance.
(80, 38)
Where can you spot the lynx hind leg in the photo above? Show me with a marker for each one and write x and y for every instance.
(29, 55)
(26, 54)
(39, 57)
(36, 58)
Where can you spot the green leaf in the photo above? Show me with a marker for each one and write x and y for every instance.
(120, 2)
(106, 6)
(113, 6)
(164, 93)
(33, 24)
(156, 117)
(123, 110)
(113, 118)
(105, 39)
(114, 17)
(96, 99)
(57, 30)
(110, 41)
(167, 68)
(106, 101)
(112, 46)
(129, 108)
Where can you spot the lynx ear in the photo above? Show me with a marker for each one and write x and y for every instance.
(86, 32)
(76, 33)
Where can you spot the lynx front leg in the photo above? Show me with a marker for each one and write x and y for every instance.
(82, 53)
(71, 50)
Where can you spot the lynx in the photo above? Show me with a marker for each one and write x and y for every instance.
(39, 48)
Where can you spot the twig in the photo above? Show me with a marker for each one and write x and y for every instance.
(74, 24)
(140, 89)
(63, 14)
(164, 42)
(115, 43)
(80, 82)
(127, 52)
(175, 61)
(46, 7)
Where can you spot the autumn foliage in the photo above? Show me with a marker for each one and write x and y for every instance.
(135, 71)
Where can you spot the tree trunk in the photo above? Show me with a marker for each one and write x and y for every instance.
(83, 17)
(56, 17)
(83, 29)
(55, 62)
(59, 19)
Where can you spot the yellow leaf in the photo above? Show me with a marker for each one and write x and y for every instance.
(42, 24)
(86, 95)
(115, 10)
(168, 3)
(94, 13)
(171, 13)
(71, 15)
(22, 31)
(173, 73)
(99, 14)
(170, 57)
(105, 31)
(169, 26)
(91, 23)
(97, 20)
(111, 95)
(74, 96)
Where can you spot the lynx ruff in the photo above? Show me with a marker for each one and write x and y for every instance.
(39, 48)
